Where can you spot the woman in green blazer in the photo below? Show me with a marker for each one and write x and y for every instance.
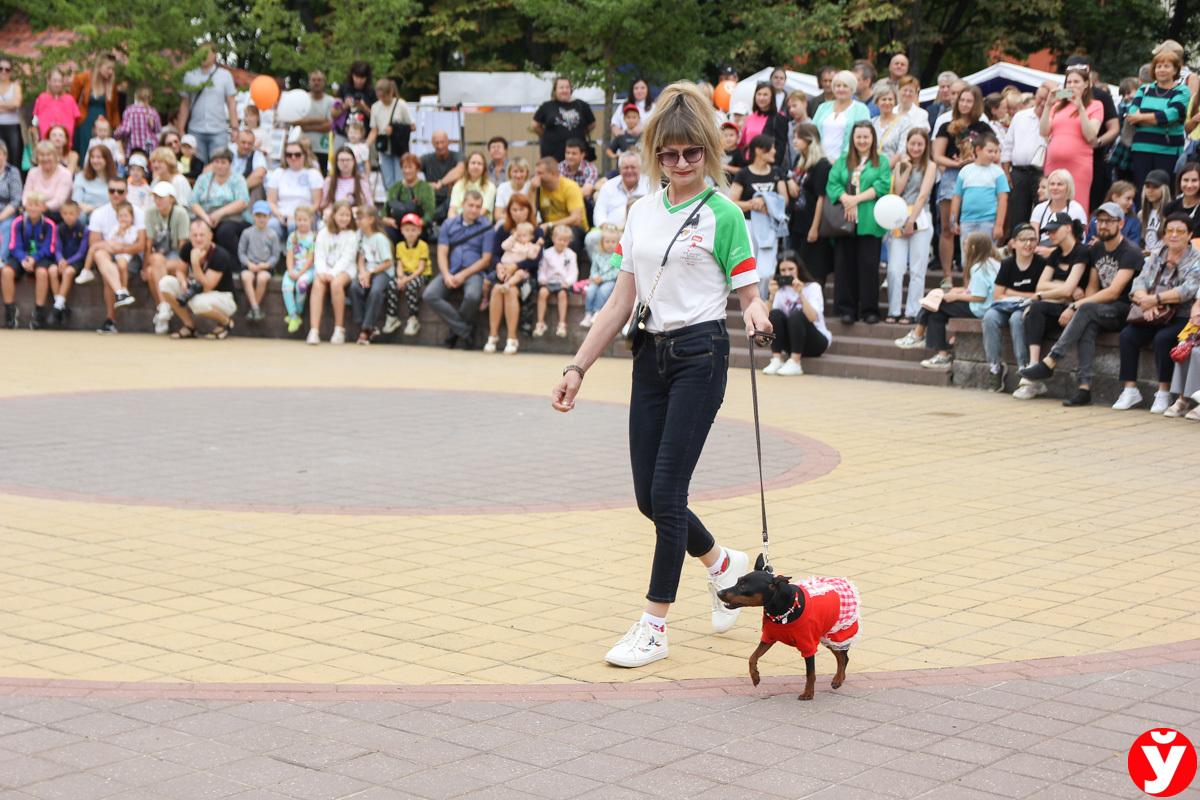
(857, 180)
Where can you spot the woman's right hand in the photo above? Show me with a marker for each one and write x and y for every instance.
(563, 397)
(910, 228)
(812, 235)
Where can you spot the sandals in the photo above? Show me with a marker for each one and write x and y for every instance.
(905, 321)
(889, 319)
(221, 332)
(184, 333)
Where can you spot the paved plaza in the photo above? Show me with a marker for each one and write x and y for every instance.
(253, 569)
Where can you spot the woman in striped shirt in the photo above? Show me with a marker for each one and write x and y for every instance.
(1157, 113)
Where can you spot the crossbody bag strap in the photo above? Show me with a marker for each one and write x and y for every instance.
(692, 217)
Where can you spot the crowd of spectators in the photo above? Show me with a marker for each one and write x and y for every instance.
(1074, 213)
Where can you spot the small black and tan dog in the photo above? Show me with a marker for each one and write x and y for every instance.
(804, 615)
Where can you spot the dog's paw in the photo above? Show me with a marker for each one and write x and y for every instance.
(754, 677)
(807, 695)
(836, 683)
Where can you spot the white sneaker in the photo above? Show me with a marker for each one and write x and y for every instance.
(587, 321)
(86, 276)
(339, 336)
(314, 336)
(1180, 407)
(642, 645)
(1027, 389)
(1161, 401)
(390, 324)
(510, 347)
(910, 341)
(490, 347)
(1129, 398)
(724, 618)
(123, 299)
(938, 361)
(773, 367)
(790, 368)
(413, 327)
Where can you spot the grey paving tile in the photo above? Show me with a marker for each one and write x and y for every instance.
(435, 752)
(318, 754)
(532, 723)
(541, 751)
(865, 753)
(1035, 766)
(26, 770)
(203, 753)
(610, 767)
(969, 750)
(88, 754)
(159, 710)
(898, 736)
(98, 725)
(210, 724)
(437, 784)
(196, 786)
(1071, 752)
(483, 735)
(320, 786)
(828, 768)
(271, 710)
(843, 792)
(1005, 784)
(257, 771)
(891, 782)
(151, 739)
(613, 793)
(669, 783)
(929, 765)
(141, 771)
(12, 725)
(477, 711)
(46, 711)
(377, 768)
(779, 783)
(78, 786)
(36, 740)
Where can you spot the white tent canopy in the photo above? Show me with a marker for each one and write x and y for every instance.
(743, 93)
(505, 89)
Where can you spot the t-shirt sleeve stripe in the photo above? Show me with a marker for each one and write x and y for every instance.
(744, 274)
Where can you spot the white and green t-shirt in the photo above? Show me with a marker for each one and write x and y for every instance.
(706, 261)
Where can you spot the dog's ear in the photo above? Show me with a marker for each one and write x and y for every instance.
(761, 565)
(779, 597)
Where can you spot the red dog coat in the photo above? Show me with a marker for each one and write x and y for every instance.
(830, 617)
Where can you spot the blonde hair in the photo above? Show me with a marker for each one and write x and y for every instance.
(304, 211)
(524, 227)
(45, 146)
(845, 78)
(978, 248)
(517, 163)
(35, 197)
(332, 227)
(1067, 178)
(167, 156)
(682, 115)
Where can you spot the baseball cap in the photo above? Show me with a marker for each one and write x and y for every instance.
(163, 189)
(139, 160)
(1113, 210)
(412, 219)
(1158, 177)
(187, 139)
(1056, 221)
(629, 107)
(261, 207)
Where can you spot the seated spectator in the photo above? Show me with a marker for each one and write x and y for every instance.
(409, 195)
(344, 185)
(732, 158)
(517, 248)
(298, 278)
(62, 148)
(258, 254)
(250, 163)
(560, 200)
(464, 252)
(1063, 281)
(981, 267)
(190, 164)
(49, 178)
(442, 169)
(617, 195)
(140, 124)
(474, 177)
(1115, 262)
(512, 293)
(115, 250)
(376, 270)
(296, 184)
(10, 197)
(416, 268)
(207, 290)
(797, 317)
(1163, 293)
(1187, 194)
(1060, 198)
(603, 276)
(102, 137)
(1122, 193)
(91, 183)
(222, 199)
(1016, 283)
(518, 182)
(139, 188)
(165, 167)
(625, 141)
(336, 264)
(166, 234)
(557, 273)
(1185, 381)
(31, 253)
(70, 251)
(1156, 196)
(576, 167)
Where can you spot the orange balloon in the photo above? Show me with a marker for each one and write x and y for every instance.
(722, 93)
(264, 91)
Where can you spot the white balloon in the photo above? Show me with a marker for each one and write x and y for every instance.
(294, 105)
(890, 211)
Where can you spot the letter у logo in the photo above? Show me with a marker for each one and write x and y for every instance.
(1162, 762)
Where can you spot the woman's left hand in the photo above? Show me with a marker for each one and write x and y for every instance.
(563, 397)
(755, 319)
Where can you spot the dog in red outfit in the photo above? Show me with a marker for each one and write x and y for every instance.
(804, 615)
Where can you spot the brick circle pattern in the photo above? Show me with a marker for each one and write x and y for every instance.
(356, 451)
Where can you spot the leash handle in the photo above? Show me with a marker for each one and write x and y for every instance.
(762, 492)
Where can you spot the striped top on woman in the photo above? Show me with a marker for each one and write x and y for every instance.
(1169, 106)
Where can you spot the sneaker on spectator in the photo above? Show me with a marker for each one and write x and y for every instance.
(1027, 389)
(314, 336)
(910, 341)
(996, 379)
(773, 367)
(108, 327)
(1128, 398)
(1082, 397)
(490, 347)
(739, 564)
(64, 317)
(1179, 407)
(339, 336)
(11, 316)
(1161, 401)
(54, 317)
(561, 330)
(124, 298)
(790, 368)
(640, 646)
(38, 320)
(539, 330)
(413, 327)
(938, 361)
(510, 347)
(86, 276)
(391, 324)
(587, 320)
(293, 324)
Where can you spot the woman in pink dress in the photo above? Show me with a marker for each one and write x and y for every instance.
(1071, 125)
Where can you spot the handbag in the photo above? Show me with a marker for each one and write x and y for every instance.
(1189, 337)
(933, 301)
(396, 142)
(833, 224)
(1158, 316)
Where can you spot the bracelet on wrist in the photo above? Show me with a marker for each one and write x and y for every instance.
(573, 368)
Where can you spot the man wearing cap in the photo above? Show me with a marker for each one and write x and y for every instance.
(1063, 281)
(166, 233)
(101, 223)
(1021, 152)
(258, 253)
(1115, 262)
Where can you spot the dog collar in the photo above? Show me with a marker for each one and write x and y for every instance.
(791, 615)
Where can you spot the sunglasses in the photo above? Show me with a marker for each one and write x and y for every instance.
(5, 68)
(116, 191)
(670, 158)
(294, 154)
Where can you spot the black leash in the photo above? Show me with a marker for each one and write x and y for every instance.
(763, 338)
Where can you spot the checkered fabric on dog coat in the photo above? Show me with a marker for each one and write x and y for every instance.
(830, 617)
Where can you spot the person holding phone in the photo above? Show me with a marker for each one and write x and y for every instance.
(684, 246)
(1071, 125)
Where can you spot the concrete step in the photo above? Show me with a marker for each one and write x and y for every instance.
(860, 367)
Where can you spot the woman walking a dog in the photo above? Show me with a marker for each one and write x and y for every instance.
(684, 246)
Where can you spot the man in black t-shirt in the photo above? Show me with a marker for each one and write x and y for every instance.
(442, 168)
(1115, 262)
(562, 118)
(209, 289)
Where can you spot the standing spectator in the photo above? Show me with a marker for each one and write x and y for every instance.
(1115, 262)
(1110, 129)
(762, 120)
(909, 92)
(639, 97)
(512, 287)
(252, 122)
(317, 127)
(117, 255)
(291, 186)
(1022, 151)
(475, 177)
(141, 124)
(166, 233)
(11, 101)
(575, 166)
(1071, 125)
(1016, 284)
(345, 184)
(298, 276)
(210, 285)
(865, 74)
(797, 115)
(807, 183)
(258, 253)
(561, 118)
(165, 167)
(891, 127)
(1166, 286)
(518, 181)
(207, 110)
(825, 82)
(779, 90)
(945, 98)
(10, 198)
(497, 148)
(912, 178)
(981, 192)
(797, 317)
(442, 168)
(995, 111)
(49, 178)
(835, 117)
(336, 262)
(898, 68)
(391, 126)
(222, 199)
(91, 184)
(31, 252)
(409, 195)
(464, 251)
(55, 107)
(95, 93)
(355, 97)
(251, 164)
(618, 194)
(857, 180)
(1157, 114)
(953, 147)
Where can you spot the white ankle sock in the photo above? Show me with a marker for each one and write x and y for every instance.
(720, 564)
(60, 302)
(658, 623)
